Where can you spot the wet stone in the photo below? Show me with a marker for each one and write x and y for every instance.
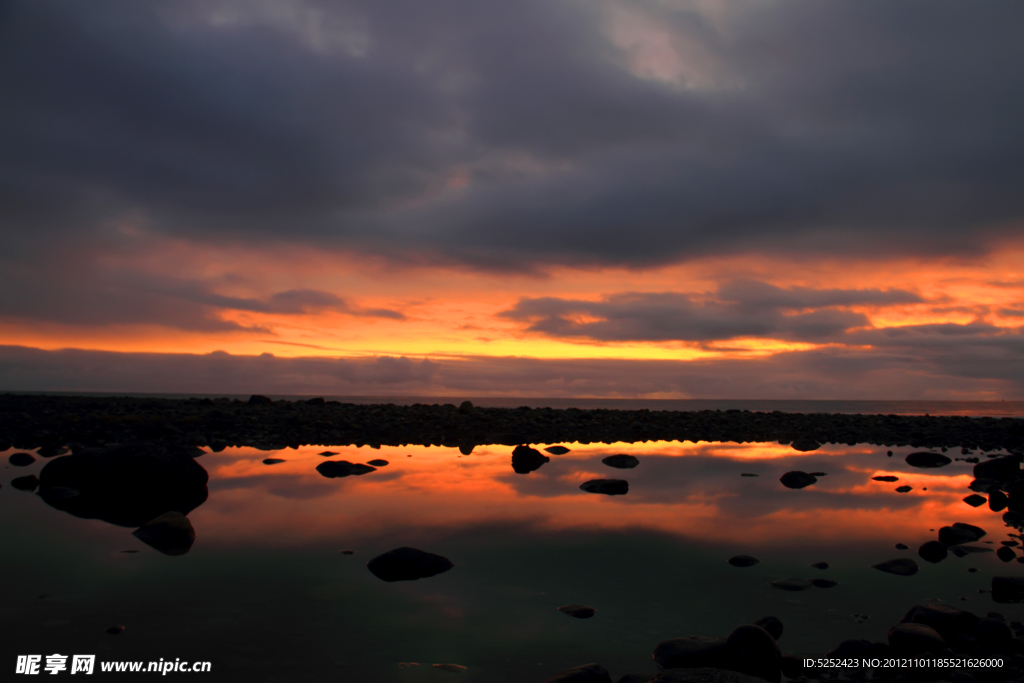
(348, 552)
(1006, 554)
(791, 584)
(29, 483)
(821, 565)
(408, 564)
(378, 462)
(743, 561)
(960, 533)
(171, 533)
(327, 454)
(824, 583)
(886, 477)
(753, 651)
(902, 546)
(933, 551)
(273, 461)
(21, 459)
(557, 450)
(526, 459)
(805, 445)
(797, 479)
(578, 611)
(903, 489)
(974, 500)
(333, 469)
(608, 487)
(927, 460)
(621, 461)
(901, 567)
(257, 399)
(748, 474)
(771, 624)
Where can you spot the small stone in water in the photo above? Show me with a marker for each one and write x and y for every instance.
(821, 565)
(29, 483)
(1006, 554)
(824, 583)
(903, 489)
(748, 474)
(378, 463)
(797, 479)
(743, 561)
(327, 453)
(900, 567)
(901, 546)
(578, 611)
(621, 461)
(886, 477)
(21, 459)
(974, 500)
(272, 461)
(348, 552)
(933, 551)
(557, 450)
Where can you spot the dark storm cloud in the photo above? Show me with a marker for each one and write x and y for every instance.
(860, 127)
(739, 309)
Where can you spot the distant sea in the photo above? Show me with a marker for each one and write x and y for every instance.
(966, 408)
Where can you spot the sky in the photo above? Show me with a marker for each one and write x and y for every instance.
(552, 198)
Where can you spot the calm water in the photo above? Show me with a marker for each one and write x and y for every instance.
(266, 595)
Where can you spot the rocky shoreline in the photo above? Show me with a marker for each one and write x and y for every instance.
(55, 421)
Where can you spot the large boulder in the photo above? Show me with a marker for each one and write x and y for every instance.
(797, 479)
(753, 651)
(771, 624)
(621, 461)
(926, 460)
(408, 564)
(526, 459)
(1006, 468)
(588, 673)
(124, 485)
(960, 533)
(609, 487)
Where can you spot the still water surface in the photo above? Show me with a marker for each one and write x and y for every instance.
(266, 594)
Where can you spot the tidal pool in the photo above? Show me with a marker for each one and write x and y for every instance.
(265, 593)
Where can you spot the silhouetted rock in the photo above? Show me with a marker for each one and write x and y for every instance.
(824, 583)
(124, 485)
(578, 611)
(1006, 554)
(1008, 589)
(965, 550)
(691, 652)
(327, 454)
(21, 459)
(171, 533)
(909, 639)
(256, 399)
(588, 673)
(743, 561)
(904, 489)
(526, 459)
(773, 625)
(315, 401)
(902, 546)
(348, 552)
(378, 462)
(1006, 468)
(407, 564)
(753, 651)
(821, 565)
(29, 483)
(886, 477)
(333, 469)
(933, 551)
(926, 460)
(791, 584)
(557, 450)
(621, 461)
(609, 487)
(272, 461)
(948, 621)
(749, 474)
(993, 632)
(797, 479)
(804, 445)
(901, 567)
(960, 533)
(704, 675)
(997, 501)
(974, 500)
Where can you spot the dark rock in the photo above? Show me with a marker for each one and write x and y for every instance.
(578, 611)
(904, 489)
(960, 533)
(467, 408)
(621, 461)
(21, 459)
(797, 479)
(342, 468)
(805, 445)
(1007, 589)
(753, 651)
(984, 485)
(588, 673)
(51, 451)
(124, 485)
(348, 552)
(29, 483)
(407, 564)
(691, 652)
(256, 399)
(526, 459)
(327, 454)
(315, 401)
(743, 561)
(1006, 554)
(886, 477)
(171, 533)
(949, 622)
(557, 450)
(909, 639)
(791, 584)
(974, 500)
(821, 565)
(773, 625)
(926, 460)
(1006, 468)
(609, 487)
(824, 583)
(901, 567)
(793, 666)
(933, 551)
(965, 550)
(272, 461)
(748, 474)
(378, 462)
(114, 630)
(994, 633)
(636, 678)
(902, 546)
(704, 675)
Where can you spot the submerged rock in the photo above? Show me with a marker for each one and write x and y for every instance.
(926, 460)
(609, 487)
(171, 533)
(526, 459)
(965, 550)
(29, 483)
(791, 584)
(578, 611)
(743, 561)
(557, 450)
(901, 567)
(771, 624)
(621, 461)
(821, 565)
(333, 469)
(797, 479)
(933, 551)
(588, 673)
(902, 546)
(748, 474)
(408, 564)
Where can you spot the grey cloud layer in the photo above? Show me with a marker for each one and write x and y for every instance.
(861, 127)
(739, 309)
